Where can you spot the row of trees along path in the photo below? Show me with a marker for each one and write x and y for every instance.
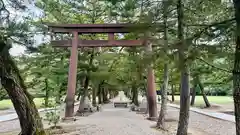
(178, 48)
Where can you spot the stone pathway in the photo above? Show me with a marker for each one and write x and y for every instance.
(216, 115)
(13, 115)
(8, 123)
(112, 121)
(8, 111)
(209, 125)
(120, 121)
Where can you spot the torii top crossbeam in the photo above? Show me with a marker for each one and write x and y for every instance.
(109, 29)
(97, 28)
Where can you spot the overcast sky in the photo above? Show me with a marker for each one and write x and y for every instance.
(17, 49)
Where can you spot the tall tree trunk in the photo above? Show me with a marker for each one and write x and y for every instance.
(135, 95)
(79, 95)
(173, 87)
(46, 93)
(128, 94)
(146, 95)
(30, 121)
(173, 92)
(151, 88)
(63, 88)
(86, 84)
(236, 69)
(185, 72)
(99, 94)
(82, 81)
(104, 95)
(107, 93)
(94, 94)
(184, 102)
(193, 91)
(162, 115)
(115, 93)
(59, 84)
(164, 96)
(89, 96)
(207, 103)
(58, 92)
(111, 94)
(85, 93)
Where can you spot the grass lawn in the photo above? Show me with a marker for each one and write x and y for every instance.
(212, 99)
(7, 103)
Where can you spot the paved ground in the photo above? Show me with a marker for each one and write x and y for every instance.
(13, 125)
(8, 111)
(214, 114)
(119, 121)
(210, 126)
(116, 121)
(113, 121)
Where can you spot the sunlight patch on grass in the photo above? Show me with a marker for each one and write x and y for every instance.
(7, 103)
(221, 100)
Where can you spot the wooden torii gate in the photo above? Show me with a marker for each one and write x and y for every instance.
(76, 43)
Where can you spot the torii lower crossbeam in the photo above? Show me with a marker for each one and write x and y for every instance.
(98, 43)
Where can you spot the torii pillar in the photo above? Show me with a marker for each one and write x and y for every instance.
(151, 87)
(75, 43)
(72, 77)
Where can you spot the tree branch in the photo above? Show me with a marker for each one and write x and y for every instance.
(198, 34)
(115, 60)
(213, 24)
(225, 70)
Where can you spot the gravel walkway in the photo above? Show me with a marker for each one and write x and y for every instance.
(113, 121)
(211, 125)
(9, 126)
(119, 121)
(12, 125)
(206, 124)
(116, 121)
